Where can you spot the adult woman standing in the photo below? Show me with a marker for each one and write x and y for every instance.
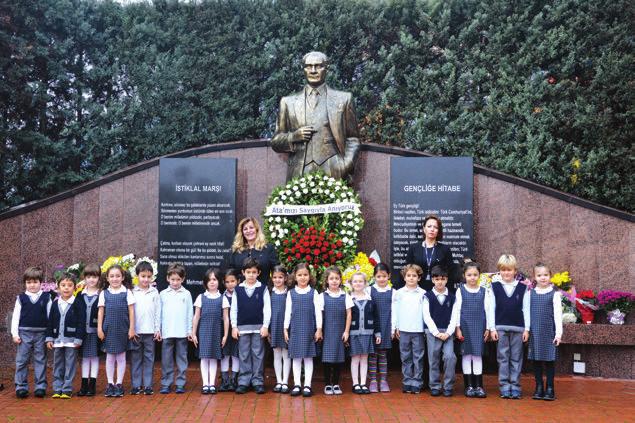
(250, 242)
(431, 252)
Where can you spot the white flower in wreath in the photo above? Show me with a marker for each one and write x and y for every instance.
(305, 191)
(329, 183)
(279, 203)
(277, 243)
(357, 228)
(332, 195)
(320, 191)
(295, 187)
(278, 219)
(302, 185)
(351, 242)
(283, 197)
(273, 234)
(311, 184)
(337, 188)
(345, 240)
(297, 194)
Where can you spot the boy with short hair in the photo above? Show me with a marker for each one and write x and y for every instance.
(64, 335)
(176, 328)
(511, 320)
(250, 315)
(440, 319)
(28, 327)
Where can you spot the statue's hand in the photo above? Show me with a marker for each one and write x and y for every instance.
(303, 134)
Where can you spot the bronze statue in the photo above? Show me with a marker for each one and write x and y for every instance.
(317, 126)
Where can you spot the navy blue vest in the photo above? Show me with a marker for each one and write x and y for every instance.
(33, 315)
(509, 310)
(250, 308)
(440, 313)
(74, 323)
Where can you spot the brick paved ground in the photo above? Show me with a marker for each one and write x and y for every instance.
(579, 399)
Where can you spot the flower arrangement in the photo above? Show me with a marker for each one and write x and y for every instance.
(586, 304)
(320, 239)
(362, 264)
(155, 269)
(619, 301)
(562, 281)
(126, 262)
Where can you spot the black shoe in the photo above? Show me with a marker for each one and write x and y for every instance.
(259, 389)
(435, 392)
(110, 390)
(21, 393)
(148, 391)
(233, 382)
(40, 393)
(539, 393)
(90, 391)
(468, 385)
(365, 390)
(357, 389)
(406, 389)
(135, 391)
(448, 393)
(295, 392)
(284, 388)
(180, 389)
(307, 392)
(415, 390)
(241, 389)
(479, 392)
(550, 395)
(83, 390)
(119, 390)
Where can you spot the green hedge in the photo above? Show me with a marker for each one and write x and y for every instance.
(540, 89)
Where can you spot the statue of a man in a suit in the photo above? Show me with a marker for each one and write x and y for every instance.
(317, 126)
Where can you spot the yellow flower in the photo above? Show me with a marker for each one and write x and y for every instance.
(110, 261)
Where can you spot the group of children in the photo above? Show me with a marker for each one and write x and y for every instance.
(299, 323)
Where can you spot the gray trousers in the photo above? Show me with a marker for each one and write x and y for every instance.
(251, 354)
(412, 350)
(64, 364)
(509, 354)
(32, 345)
(436, 348)
(142, 360)
(173, 349)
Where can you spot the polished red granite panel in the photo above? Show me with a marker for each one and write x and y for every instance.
(139, 213)
(111, 222)
(86, 227)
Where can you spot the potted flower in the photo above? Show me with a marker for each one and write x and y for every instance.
(617, 305)
(586, 304)
(562, 282)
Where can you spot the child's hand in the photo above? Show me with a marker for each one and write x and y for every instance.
(396, 334)
(131, 333)
(49, 345)
(76, 346)
(378, 340)
(157, 336)
(318, 335)
(493, 334)
(264, 332)
(286, 336)
(485, 335)
(345, 336)
(235, 333)
(193, 339)
(556, 341)
(443, 336)
(526, 336)
(459, 334)
(17, 340)
(223, 341)
(100, 334)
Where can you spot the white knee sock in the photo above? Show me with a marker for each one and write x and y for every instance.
(121, 367)
(363, 368)
(286, 366)
(308, 371)
(224, 364)
(472, 364)
(277, 364)
(466, 363)
(355, 369)
(297, 371)
(213, 367)
(94, 366)
(205, 371)
(85, 367)
(235, 364)
(110, 367)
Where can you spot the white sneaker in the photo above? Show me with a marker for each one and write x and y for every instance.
(328, 390)
(337, 390)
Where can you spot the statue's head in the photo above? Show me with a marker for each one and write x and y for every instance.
(315, 66)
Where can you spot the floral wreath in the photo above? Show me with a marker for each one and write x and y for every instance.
(320, 240)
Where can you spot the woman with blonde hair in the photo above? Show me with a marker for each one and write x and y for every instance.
(250, 242)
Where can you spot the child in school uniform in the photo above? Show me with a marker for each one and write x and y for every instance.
(115, 324)
(147, 309)
(87, 301)
(364, 334)
(302, 327)
(64, 336)
(250, 318)
(382, 294)
(545, 332)
(210, 328)
(230, 349)
(176, 329)
(281, 360)
(511, 325)
(28, 327)
(473, 307)
(336, 306)
(408, 328)
(440, 319)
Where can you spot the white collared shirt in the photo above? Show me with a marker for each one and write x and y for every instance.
(427, 318)
(407, 310)
(266, 309)
(176, 313)
(487, 303)
(279, 291)
(17, 309)
(147, 310)
(557, 308)
(212, 296)
(129, 295)
(316, 303)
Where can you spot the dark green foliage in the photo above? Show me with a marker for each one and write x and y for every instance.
(542, 90)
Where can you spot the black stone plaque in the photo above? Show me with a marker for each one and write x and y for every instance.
(197, 203)
(420, 186)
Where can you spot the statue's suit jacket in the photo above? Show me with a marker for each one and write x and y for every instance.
(343, 126)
